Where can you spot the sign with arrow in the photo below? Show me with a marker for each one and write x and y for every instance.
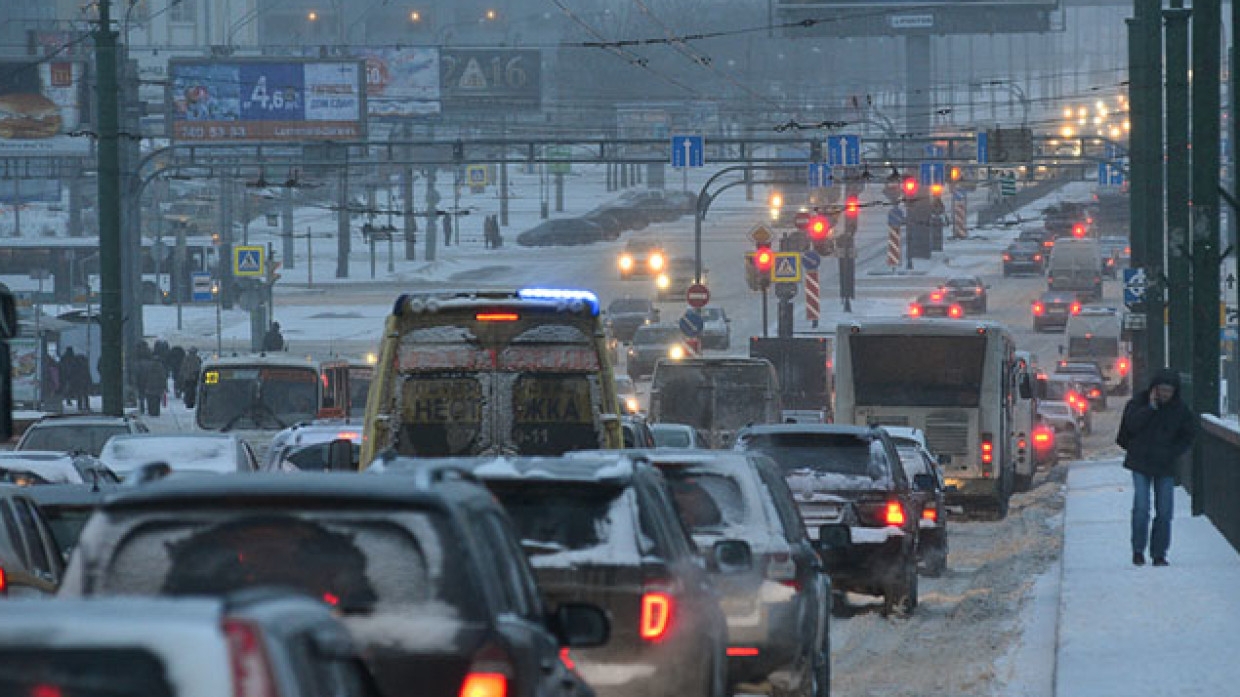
(688, 151)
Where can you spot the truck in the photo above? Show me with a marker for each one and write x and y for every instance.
(1096, 335)
(803, 364)
(717, 396)
(1076, 266)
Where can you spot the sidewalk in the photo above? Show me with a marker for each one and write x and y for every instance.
(1142, 631)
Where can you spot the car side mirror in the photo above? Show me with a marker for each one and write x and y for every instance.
(340, 456)
(923, 482)
(580, 625)
(732, 556)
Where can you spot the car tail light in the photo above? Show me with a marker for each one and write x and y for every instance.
(742, 651)
(4, 582)
(894, 514)
(566, 657)
(489, 673)
(936, 297)
(914, 310)
(782, 568)
(979, 290)
(656, 619)
(45, 690)
(1095, 393)
(1076, 308)
(955, 312)
(1122, 366)
(1037, 257)
(497, 317)
(930, 513)
(1043, 437)
(251, 670)
(1039, 309)
(1007, 257)
(1048, 244)
(988, 449)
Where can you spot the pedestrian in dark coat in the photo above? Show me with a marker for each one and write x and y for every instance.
(176, 354)
(154, 380)
(447, 231)
(76, 375)
(273, 340)
(1156, 429)
(188, 377)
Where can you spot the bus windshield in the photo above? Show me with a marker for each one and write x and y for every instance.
(256, 397)
(359, 390)
(917, 371)
(520, 388)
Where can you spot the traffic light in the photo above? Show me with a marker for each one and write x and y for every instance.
(819, 228)
(762, 261)
(1078, 231)
(956, 174)
(936, 189)
(909, 187)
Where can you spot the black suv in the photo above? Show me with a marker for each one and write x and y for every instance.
(602, 527)
(428, 576)
(30, 559)
(857, 500)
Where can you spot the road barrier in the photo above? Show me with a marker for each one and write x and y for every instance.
(1214, 476)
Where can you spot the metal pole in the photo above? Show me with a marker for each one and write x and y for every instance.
(765, 331)
(342, 226)
(286, 228)
(1145, 140)
(1233, 384)
(1179, 273)
(309, 258)
(1207, 18)
(109, 213)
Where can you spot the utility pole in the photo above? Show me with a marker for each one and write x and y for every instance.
(109, 207)
(1207, 18)
(1179, 271)
(342, 221)
(1233, 382)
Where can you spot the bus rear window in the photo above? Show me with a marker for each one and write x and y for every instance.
(917, 371)
(442, 416)
(552, 414)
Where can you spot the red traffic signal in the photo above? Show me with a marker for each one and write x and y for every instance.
(818, 227)
(852, 205)
(909, 186)
(764, 259)
(1078, 230)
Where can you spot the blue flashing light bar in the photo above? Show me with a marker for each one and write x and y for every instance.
(563, 295)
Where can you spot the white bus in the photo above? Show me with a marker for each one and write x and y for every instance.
(953, 379)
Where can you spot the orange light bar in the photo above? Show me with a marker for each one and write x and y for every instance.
(497, 317)
(742, 651)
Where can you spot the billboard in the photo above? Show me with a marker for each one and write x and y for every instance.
(253, 100)
(41, 104)
(490, 79)
(401, 82)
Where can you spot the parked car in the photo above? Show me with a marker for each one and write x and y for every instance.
(932, 545)
(669, 435)
(78, 433)
(1053, 308)
(936, 303)
(30, 561)
(602, 528)
(857, 501)
(625, 315)
(1024, 257)
(256, 643)
(641, 257)
(216, 453)
(29, 467)
(407, 562)
(968, 291)
(716, 329)
(652, 342)
(779, 612)
(562, 232)
(305, 447)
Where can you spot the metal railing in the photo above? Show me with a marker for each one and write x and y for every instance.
(1215, 479)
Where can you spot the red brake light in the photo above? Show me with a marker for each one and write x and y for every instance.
(955, 312)
(1042, 437)
(894, 514)
(930, 513)
(852, 205)
(1078, 230)
(251, 671)
(489, 672)
(1038, 308)
(331, 599)
(484, 685)
(4, 583)
(1122, 366)
(1007, 257)
(914, 310)
(1037, 257)
(497, 317)
(988, 452)
(1095, 393)
(1076, 308)
(910, 186)
(1048, 243)
(656, 616)
(567, 659)
(936, 296)
(45, 690)
(742, 651)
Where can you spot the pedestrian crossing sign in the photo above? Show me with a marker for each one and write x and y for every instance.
(248, 260)
(787, 268)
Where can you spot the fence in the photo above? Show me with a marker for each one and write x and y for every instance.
(1215, 481)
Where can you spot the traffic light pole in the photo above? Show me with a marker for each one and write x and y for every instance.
(1179, 252)
(765, 324)
(111, 330)
(1206, 21)
(705, 198)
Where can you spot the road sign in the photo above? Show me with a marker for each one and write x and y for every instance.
(787, 267)
(933, 173)
(820, 175)
(697, 295)
(983, 148)
(688, 151)
(935, 152)
(801, 220)
(201, 284)
(760, 235)
(476, 175)
(559, 152)
(1134, 286)
(844, 150)
(1110, 174)
(1007, 185)
(248, 260)
(691, 323)
(811, 260)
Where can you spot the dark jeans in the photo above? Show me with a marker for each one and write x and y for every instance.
(1164, 508)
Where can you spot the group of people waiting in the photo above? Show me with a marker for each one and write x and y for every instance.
(68, 380)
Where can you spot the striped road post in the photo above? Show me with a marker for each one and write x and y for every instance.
(811, 297)
(960, 214)
(895, 219)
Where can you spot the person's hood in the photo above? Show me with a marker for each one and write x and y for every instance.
(1166, 376)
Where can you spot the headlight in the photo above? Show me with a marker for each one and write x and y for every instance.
(676, 352)
(632, 404)
(656, 262)
(663, 282)
(626, 262)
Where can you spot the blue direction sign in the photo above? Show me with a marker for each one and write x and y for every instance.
(933, 173)
(1110, 174)
(820, 175)
(844, 150)
(811, 260)
(688, 151)
(248, 260)
(691, 323)
(983, 148)
(934, 152)
(1134, 286)
(201, 285)
(1112, 151)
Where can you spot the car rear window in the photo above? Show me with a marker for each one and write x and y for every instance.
(671, 438)
(827, 453)
(352, 559)
(629, 306)
(566, 524)
(705, 501)
(66, 523)
(93, 672)
(71, 438)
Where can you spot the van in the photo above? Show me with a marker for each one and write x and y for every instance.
(1095, 335)
(718, 396)
(1076, 265)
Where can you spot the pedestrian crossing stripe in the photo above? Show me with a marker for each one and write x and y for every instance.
(248, 261)
(787, 268)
